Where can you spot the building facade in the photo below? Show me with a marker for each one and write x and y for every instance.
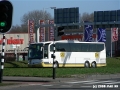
(16, 43)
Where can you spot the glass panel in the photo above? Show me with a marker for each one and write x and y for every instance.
(35, 51)
(99, 47)
(61, 47)
(64, 47)
(46, 50)
(92, 48)
(75, 47)
(84, 47)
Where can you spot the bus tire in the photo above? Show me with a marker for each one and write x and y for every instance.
(87, 64)
(56, 64)
(93, 64)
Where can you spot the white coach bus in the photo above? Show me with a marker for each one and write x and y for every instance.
(69, 53)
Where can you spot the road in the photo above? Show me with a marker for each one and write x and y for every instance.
(104, 84)
(66, 84)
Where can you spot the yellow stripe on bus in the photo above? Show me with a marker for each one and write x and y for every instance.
(64, 65)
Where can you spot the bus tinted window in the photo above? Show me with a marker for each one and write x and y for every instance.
(46, 50)
(99, 47)
(75, 47)
(35, 51)
(92, 47)
(64, 47)
(61, 47)
(78, 47)
(51, 47)
(84, 47)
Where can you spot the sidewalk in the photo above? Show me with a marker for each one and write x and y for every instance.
(50, 79)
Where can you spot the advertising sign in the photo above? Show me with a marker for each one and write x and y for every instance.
(42, 31)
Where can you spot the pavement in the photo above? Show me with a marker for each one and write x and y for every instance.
(50, 79)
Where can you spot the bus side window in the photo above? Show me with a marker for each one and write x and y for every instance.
(92, 47)
(84, 47)
(61, 47)
(100, 47)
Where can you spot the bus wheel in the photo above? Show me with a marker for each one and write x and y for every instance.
(56, 64)
(87, 64)
(93, 64)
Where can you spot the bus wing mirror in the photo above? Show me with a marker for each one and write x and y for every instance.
(26, 48)
(41, 48)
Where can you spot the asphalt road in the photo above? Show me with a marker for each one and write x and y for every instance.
(101, 84)
(110, 82)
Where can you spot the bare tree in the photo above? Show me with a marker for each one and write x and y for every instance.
(36, 15)
(87, 17)
(18, 29)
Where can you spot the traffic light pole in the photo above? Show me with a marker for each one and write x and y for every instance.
(54, 59)
(2, 59)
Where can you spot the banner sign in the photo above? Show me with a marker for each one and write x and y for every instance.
(31, 31)
(72, 37)
(88, 33)
(42, 31)
(114, 34)
(51, 31)
(76, 37)
(101, 35)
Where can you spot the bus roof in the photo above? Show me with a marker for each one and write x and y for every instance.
(68, 41)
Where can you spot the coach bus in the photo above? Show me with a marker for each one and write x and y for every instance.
(68, 53)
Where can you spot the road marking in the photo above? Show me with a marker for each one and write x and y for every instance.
(35, 84)
(83, 81)
(95, 82)
(98, 82)
(113, 83)
(66, 85)
(86, 86)
(47, 85)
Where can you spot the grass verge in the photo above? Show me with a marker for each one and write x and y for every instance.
(20, 69)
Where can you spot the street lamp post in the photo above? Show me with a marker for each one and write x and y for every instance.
(53, 43)
(18, 48)
(44, 13)
(16, 52)
(45, 9)
(54, 75)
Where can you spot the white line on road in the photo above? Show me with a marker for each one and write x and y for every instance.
(46, 85)
(66, 85)
(98, 82)
(35, 84)
(83, 81)
(86, 86)
(113, 83)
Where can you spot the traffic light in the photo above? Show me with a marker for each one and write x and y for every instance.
(6, 10)
(60, 31)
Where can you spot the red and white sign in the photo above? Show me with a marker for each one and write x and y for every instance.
(114, 34)
(51, 31)
(31, 31)
(12, 40)
(75, 37)
(42, 31)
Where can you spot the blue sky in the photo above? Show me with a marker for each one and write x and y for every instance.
(22, 7)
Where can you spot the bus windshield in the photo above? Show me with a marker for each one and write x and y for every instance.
(35, 51)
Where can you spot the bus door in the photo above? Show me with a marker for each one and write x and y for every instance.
(45, 53)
